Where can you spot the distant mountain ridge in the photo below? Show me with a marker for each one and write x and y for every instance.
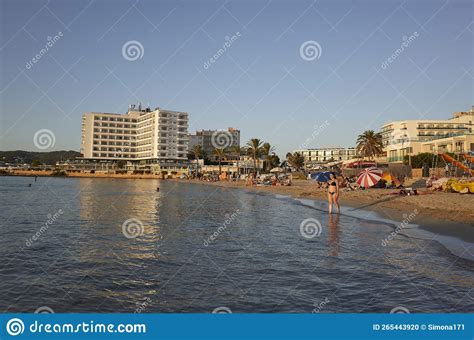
(50, 158)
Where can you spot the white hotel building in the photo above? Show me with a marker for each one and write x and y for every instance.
(410, 137)
(319, 156)
(141, 137)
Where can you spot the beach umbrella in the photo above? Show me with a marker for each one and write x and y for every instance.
(369, 177)
(391, 179)
(321, 176)
(277, 169)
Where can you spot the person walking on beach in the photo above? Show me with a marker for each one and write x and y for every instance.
(333, 192)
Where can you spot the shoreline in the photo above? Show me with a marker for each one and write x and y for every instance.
(456, 237)
(453, 215)
(380, 201)
(24, 173)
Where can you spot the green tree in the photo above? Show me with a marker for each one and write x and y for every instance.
(121, 164)
(274, 161)
(369, 144)
(236, 150)
(36, 163)
(254, 149)
(418, 160)
(198, 152)
(268, 153)
(220, 154)
(295, 160)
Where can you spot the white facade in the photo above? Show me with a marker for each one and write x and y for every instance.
(456, 144)
(406, 137)
(325, 155)
(160, 135)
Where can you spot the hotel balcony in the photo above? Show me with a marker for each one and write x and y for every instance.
(434, 127)
(395, 159)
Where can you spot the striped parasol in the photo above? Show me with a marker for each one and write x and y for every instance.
(369, 177)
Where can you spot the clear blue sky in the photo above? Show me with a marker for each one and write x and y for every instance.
(261, 84)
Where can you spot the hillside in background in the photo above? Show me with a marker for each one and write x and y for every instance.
(50, 158)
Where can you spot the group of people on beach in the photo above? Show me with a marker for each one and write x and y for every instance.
(266, 180)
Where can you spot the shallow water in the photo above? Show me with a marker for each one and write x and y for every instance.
(256, 260)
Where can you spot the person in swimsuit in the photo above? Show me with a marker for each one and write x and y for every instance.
(333, 193)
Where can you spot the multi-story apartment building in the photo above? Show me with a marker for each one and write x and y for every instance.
(141, 136)
(209, 139)
(407, 137)
(314, 157)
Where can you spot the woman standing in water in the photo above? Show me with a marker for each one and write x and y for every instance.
(333, 193)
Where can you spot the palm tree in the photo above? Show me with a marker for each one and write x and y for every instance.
(268, 153)
(237, 151)
(220, 154)
(254, 149)
(197, 152)
(274, 161)
(369, 144)
(295, 160)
